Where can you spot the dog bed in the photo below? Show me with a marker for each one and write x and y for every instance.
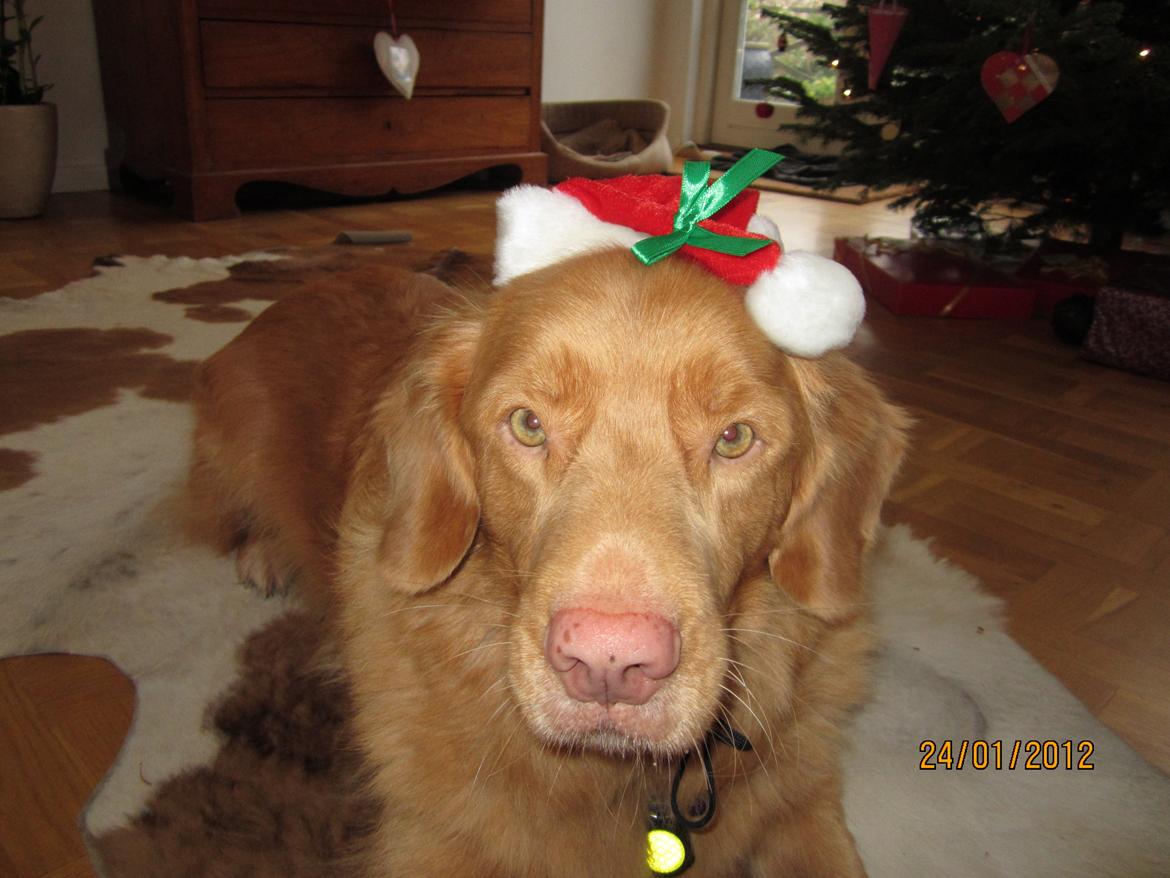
(597, 139)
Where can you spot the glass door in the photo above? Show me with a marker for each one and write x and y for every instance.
(753, 46)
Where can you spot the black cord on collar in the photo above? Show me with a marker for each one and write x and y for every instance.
(670, 851)
(724, 734)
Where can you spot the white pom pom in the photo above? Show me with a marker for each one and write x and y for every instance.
(807, 305)
(538, 227)
(761, 225)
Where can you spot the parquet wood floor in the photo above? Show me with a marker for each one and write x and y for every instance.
(1046, 476)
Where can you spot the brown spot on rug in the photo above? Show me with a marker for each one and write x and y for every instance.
(16, 468)
(49, 374)
(283, 798)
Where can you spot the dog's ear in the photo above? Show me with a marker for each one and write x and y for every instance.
(855, 442)
(413, 505)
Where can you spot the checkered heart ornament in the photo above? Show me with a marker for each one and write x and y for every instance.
(1017, 82)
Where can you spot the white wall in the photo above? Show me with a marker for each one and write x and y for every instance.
(598, 49)
(604, 49)
(684, 65)
(68, 48)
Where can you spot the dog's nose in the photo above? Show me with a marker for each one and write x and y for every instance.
(611, 658)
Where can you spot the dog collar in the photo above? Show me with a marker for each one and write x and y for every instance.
(668, 840)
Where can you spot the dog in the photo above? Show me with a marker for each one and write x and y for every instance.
(565, 532)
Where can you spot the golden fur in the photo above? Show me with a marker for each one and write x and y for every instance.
(347, 436)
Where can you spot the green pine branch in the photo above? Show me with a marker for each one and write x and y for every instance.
(1091, 154)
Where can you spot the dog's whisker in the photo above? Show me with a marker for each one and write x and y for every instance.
(764, 727)
(499, 681)
(810, 708)
(564, 756)
(752, 647)
(737, 759)
(739, 663)
(772, 635)
(475, 597)
(622, 797)
(496, 712)
(776, 680)
(505, 766)
(640, 768)
(752, 697)
(773, 678)
(395, 612)
(734, 671)
(479, 647)
(487, 753)
(515, 571)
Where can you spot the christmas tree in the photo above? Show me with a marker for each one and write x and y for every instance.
(1093, 154)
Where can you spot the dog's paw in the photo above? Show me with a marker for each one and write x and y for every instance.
(261, 565)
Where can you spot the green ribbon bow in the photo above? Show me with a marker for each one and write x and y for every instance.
(698, 201)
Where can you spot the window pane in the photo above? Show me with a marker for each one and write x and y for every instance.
(768, 52)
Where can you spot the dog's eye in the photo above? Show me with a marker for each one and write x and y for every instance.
(734, 441)
(526, 427)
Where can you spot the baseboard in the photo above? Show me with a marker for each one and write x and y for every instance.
(80, 178)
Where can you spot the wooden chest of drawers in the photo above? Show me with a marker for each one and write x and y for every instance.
(212, 94)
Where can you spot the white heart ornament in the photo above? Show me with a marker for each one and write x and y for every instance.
(398, 59)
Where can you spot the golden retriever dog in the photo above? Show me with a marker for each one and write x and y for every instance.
(564, 530)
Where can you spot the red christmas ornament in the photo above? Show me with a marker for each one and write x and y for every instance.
(764, 110)
(885, 23)
(1017, 82)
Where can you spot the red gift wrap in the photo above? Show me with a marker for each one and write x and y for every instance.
(929, 279)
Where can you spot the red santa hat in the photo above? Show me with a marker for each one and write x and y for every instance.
(805, 304)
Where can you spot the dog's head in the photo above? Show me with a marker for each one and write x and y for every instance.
(631, 449)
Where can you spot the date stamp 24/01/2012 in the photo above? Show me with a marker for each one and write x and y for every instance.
(998, 755)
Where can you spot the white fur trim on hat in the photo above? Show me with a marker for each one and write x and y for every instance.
(538, 227)
(762, 225)
(807, 305)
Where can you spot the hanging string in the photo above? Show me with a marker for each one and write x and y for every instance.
(1029, 33)
(393, 19)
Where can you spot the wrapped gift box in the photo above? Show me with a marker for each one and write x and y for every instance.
(1059, 269)
(1056, 271)
(933, 279)
(1131, 330)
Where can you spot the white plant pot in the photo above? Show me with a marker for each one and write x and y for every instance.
(28, 158)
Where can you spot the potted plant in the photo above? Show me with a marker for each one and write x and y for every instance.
(28, 125)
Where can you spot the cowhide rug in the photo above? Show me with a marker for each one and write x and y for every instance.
(229, 773)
